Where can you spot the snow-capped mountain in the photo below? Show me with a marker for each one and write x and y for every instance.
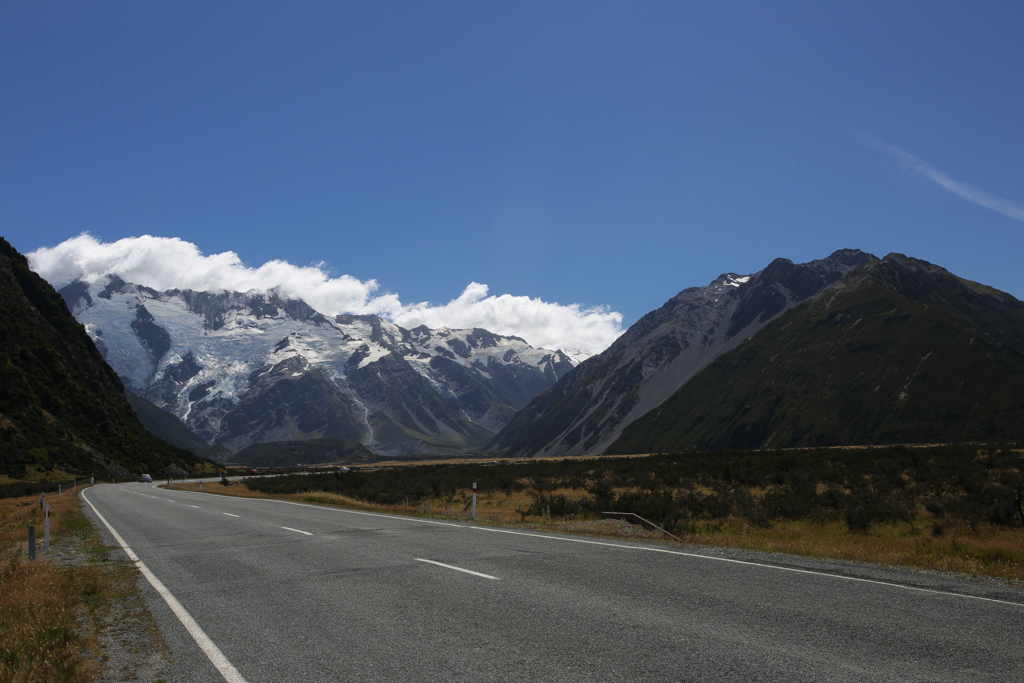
(241, 368)
(585, 411)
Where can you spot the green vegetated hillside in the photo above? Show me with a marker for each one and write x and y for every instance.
(61, 405)
(308, 452)
(170, 429)
(901, 351)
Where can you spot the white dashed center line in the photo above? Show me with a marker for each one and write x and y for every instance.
(458, 569)
(228, 514)
(298, 531)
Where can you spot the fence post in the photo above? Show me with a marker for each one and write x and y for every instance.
(474, 500)
(59, 488)
(46, 528)
(32, 542)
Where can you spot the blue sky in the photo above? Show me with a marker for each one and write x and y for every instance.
(605, 154)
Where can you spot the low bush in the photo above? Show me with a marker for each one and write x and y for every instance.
(861, 487)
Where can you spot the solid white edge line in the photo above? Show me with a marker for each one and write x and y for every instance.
(642, 548)
(299, 531)
(217, 658)
(458, 569)
(749, 563)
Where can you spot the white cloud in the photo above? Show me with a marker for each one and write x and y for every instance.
(544, 324)
(966, 191)
(171, 263)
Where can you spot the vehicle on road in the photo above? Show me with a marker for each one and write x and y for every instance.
(255, 471)
(145, 479)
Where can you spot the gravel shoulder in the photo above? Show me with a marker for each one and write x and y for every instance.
(130, 645)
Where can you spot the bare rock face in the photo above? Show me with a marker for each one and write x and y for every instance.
(587, 409)
(243, 368)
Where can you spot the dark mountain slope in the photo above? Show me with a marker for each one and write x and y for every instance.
(61, 405)
(170, 429)
(587, 409)
(901, 351)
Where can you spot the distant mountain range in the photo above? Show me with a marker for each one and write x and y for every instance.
(243, 368)
(846, 350)
(61, 406)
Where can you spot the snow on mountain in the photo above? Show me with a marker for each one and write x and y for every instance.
(240, 368)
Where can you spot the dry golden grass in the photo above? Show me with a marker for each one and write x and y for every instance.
(989, 551)
(46, 611)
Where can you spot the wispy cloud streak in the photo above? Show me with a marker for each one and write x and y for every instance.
(973, 194)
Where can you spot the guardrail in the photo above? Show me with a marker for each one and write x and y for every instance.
(638, 520)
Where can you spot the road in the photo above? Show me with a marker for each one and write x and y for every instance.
(292, 592)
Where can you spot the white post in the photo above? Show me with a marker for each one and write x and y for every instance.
(474, 500)
(200, 486)
(59, 488)
(92, 480)
(46, 527)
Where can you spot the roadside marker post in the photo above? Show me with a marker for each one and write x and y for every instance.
(32, 542)
(474, 500)
(46, 528)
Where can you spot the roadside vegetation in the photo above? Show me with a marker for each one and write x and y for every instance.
(946, 508)
(53, 609)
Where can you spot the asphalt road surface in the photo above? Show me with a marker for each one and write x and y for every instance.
(278, 591)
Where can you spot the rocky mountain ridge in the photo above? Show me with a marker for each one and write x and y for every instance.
(587, 409)
(900, 351)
